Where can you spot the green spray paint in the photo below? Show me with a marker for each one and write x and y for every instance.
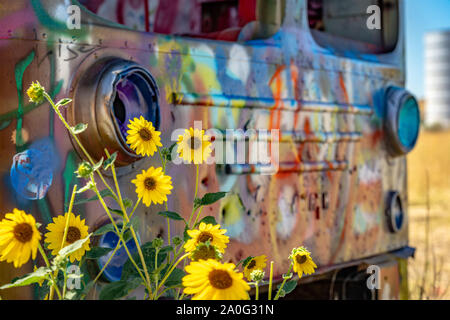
(20, 68)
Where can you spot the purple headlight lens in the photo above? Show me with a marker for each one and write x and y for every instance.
(134, 97)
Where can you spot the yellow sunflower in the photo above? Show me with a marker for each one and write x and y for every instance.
(143, 137)
(19, 238)
(303, 263)
(206, 232)
(212, 280)
(153, 186)
(256, 263)
(77, 230)
(194, 146)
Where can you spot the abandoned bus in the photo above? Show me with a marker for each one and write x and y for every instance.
(326, 76)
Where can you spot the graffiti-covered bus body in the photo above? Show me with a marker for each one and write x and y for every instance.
(321, 74)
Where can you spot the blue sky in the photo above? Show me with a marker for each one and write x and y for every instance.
(422, 16)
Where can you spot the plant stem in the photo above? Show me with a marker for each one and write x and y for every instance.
(69, 128)
(47, 263)
(66, 228)
(156, 266)
(270, 281)
(170, 271)
(195, 194)
(198, 215)
(107, 262)
(65, 282)
(135, 206)
(282, 284)
(427, 236)
(138, 247)
(105, 207)
(163, 163)
(257, 290)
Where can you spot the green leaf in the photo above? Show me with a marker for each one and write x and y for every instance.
(85, 291)
(128, 203)
(89, 186)
(172, 146)
(169, 151)
(34, 277)
(129, 271)
(207, 220)
(97, 252)
(186, 236)
(289, 286)
(66, 251)
(119, 289)
(63, 102)
(70, 295)
(246, 261)
(175, 278)
(127, 235)
(135, 222)
(210, 198)
(104, 193)
(79, 128)
(116, 211)
(98, 165)
(171, 215)
(110, 161)
(105, 229)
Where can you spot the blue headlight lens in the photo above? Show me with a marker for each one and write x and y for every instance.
(409, 123)
(398, 216)
(113, 271)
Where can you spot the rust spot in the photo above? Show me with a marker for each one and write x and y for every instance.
(239, 255)
(160, 233)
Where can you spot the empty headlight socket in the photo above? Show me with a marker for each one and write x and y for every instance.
(110, 93)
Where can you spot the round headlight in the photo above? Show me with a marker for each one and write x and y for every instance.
(394, 212)
(109, 94)
(402, 121)
(113, 271)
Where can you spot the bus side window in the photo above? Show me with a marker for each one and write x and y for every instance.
(226, 20)
(351, 25)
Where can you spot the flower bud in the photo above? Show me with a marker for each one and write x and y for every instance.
(84, 170)
(177, 241)
(206, 251)
(36, 92)
(257, 275)
(157, 243)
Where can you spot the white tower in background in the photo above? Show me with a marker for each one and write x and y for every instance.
(437, 78)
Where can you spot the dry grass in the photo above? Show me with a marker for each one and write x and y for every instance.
(432, 155)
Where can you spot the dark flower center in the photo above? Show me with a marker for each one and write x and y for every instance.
(251, 264)
(73, 234)
(150, 183)
(300, 259)
(195, 143)
(145, 134)
(205, 236)
(23, 232)
(220, 279)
